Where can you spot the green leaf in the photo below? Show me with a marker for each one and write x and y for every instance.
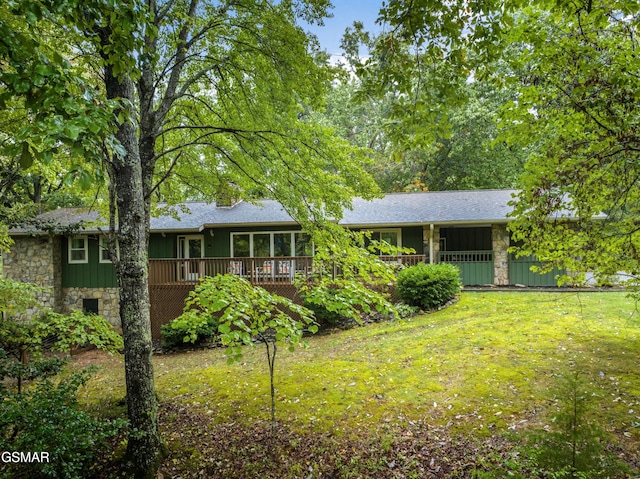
(26, 158)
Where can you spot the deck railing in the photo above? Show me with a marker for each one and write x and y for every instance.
(258, 270)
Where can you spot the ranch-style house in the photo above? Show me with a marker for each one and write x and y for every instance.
(264, 244)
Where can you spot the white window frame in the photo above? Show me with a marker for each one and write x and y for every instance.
(390, 230)
(181, 250)
(271, 241)
(70, 259)
(102, 249)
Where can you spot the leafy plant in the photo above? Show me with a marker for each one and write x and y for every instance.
(190, 327)
(573, 447)
(76, 329)
(429, 286)
(248, 313)
(16, 297)
(48, 419)
(335, 299)
(22, 342)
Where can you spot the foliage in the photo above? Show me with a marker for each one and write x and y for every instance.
(22, 342)
(353, 255)
(429, 286)
(572, 70)
(405, 310)
(245, 312)
(336, 299)
(75, 330)
(12, 367)
(574, 447)
(349, 276)
(16, 296)
(582, 87)
(248, 312)
(466, 155)
(48, 419)
(190, 327)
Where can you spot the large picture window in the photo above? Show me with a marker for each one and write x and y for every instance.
(78, 250)
(271, 244)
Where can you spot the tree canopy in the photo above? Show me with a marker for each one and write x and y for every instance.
(574, 74)
(173, 98)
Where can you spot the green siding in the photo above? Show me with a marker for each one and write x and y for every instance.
(467, 239)
(162, 246)
(476, 267)
(520, 272)
(92, 274)
(412, 238)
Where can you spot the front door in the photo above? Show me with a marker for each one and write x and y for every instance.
(191, 249)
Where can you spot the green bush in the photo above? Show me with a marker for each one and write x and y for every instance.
(336, 300)
(324, 316)
(429, 286)
(190, 327)
(47, 419)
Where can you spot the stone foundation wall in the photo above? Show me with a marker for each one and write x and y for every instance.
(500, 245)
(108, 301)
(36, 260)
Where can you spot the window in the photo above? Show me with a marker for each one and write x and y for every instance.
(191, 246)
(271, 244)
(304, 245)
(391, 236)
(241, 245)
(78, 250)
(104, 252)
(90, 306)
(262, 244)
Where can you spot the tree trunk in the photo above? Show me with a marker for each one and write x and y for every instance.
(145, 447)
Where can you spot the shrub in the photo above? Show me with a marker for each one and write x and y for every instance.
(77, 329)
(190, 327)
(429, 286)
(336, 300)
(324, 316)
(48, 419)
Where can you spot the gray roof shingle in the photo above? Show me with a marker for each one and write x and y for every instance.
(395, 209)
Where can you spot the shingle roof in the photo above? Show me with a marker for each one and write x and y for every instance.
(445, 207)
(439, 207)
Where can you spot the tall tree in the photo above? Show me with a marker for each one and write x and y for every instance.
(575, 72)
(466, 154)
(216, 90)
(579, 100)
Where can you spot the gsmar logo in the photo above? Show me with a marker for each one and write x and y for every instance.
(28, 457)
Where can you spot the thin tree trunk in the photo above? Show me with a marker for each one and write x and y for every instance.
(145, 448)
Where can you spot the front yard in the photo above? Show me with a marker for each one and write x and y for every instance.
(457, 393)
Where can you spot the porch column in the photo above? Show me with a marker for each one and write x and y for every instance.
(500, 244)
(431, 242)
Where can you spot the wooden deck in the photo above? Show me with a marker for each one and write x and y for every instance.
(258, 270)
(171, 280)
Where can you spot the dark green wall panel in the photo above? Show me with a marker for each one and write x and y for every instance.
(88, 275)
(467, 239)
(412, 238)
(162, 246)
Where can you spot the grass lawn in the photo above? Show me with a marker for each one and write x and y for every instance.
(457, 393)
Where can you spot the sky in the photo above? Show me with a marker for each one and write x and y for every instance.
(345, 12)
